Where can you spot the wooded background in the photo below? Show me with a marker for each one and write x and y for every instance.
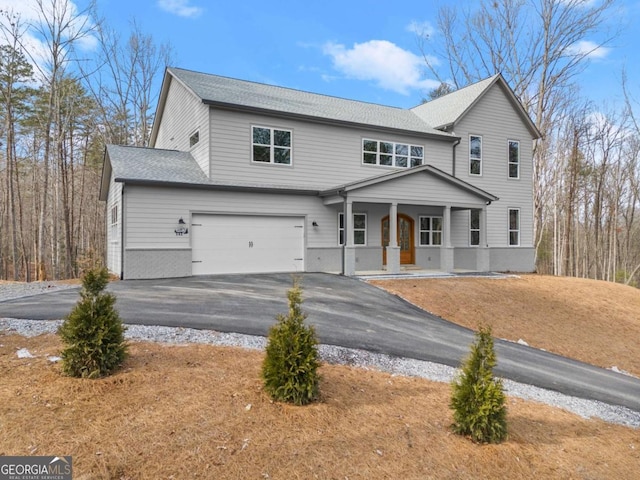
(59, 110)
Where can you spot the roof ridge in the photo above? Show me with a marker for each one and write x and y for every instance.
(292, 89)
(461, 89)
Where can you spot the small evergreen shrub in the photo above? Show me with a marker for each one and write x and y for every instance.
(478, 399)
(290, 366)
(93, 333)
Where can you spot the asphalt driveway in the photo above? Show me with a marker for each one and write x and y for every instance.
(345, 311)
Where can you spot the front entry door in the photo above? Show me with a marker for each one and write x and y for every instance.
(405, 239)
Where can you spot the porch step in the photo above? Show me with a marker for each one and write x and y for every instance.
(408, 268)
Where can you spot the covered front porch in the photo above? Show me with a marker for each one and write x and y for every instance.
(416, 219)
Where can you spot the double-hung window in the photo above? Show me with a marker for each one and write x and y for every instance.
(514, 159)
(391, 154)
(474, 228)
(430, 231)
(475, 155)
(271, 145)
(514, 227)
(359, 227)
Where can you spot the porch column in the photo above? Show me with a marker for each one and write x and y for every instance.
(446, 250)
(483, 263)
(393, 250)
(349, 250)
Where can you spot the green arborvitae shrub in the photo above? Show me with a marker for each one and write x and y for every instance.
(93, 333)
(290, 367)
(478, 399)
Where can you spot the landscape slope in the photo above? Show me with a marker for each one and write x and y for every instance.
(198, 411)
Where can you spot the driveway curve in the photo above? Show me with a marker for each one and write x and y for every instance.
(346, 312)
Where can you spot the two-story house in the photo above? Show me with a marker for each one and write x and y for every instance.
(248, 177)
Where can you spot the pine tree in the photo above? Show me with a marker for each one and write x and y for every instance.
(93, 333)
(290, 366)
(478, 399)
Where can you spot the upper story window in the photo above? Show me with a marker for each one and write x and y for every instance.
(430, 231)
(271, 145)
(514, 227)
(391, 154)
(514, 159)
(475, 155)
(194, 138)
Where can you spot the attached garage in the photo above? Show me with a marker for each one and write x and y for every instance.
(246, 244)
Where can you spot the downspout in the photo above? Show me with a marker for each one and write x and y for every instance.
(453, 166)
(122, 233)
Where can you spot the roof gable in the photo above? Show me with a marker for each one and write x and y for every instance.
(371, 185)
(446, 111)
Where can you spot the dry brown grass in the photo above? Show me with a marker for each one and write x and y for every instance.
(199, 411)
(592, 321)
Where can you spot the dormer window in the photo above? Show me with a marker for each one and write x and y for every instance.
(194, 138)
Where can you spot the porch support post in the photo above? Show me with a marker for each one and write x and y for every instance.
(393, 250)
(483, 263)
(446, 250)
(349, 255)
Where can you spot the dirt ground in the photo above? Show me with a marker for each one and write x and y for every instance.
(593, 321)
(197, 411)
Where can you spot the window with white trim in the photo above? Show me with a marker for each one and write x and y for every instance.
(430, 229)
(391, 154)
(359, 226)
(271, 145)
(194, 138)
(475, 155)
(514, 158)
(114, 215)
(514, 227)
(474, 228)
(114, 222)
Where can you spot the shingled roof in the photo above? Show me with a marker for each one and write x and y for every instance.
(244, 95)
(445, 111)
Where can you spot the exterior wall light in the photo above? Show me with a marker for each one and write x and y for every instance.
(182, 228)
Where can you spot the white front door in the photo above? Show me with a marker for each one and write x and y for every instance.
(246, 244)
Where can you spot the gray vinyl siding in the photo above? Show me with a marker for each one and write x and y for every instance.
(494, 118)
(183, 115)
(153, 213)
(323, 155)
(419, 188)
(114, 232)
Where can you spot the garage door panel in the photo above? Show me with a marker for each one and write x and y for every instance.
(247, 244)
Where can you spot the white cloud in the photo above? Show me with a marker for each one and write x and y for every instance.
(180, 8)
(381, 61)
(25, 8)
(589, 49)
(422, 29)
(31, 18)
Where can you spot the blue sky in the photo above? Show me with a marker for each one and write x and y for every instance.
(340, 48)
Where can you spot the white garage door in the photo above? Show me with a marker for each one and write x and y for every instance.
(246, 244)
